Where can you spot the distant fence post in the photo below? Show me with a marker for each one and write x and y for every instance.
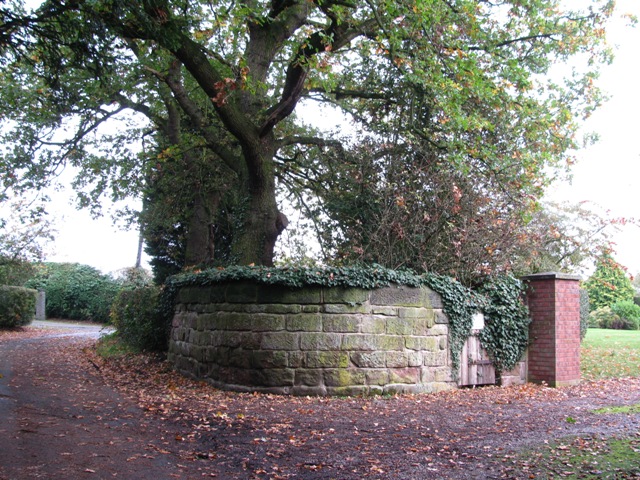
(554, 305)
(40, 305)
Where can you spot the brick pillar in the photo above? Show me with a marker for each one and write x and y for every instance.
(554, 304)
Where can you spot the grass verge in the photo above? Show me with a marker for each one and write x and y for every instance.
(610, 354)
(587, 458)
(111, 345)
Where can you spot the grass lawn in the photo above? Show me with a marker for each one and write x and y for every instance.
(610, 354)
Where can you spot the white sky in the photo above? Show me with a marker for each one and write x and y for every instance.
(607, 173)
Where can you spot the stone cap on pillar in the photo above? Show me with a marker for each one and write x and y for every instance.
(551, 276)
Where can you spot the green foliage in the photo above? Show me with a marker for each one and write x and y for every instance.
(505, 335)
(460, 304)
(17, 306)
(138, 320)
(220, 88)
(606, 317)
(629, 312)
(15, 272)
(603, 317)
(75, 291)
(133, 277)
(584, 312)
(112, 346)
(608, 284)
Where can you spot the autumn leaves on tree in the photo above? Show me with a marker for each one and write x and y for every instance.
(456, 128)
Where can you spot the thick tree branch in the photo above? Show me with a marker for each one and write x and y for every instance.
(306, 140)
(339, 35)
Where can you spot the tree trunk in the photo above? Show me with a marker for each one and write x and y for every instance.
(200, 248)
(262, 223)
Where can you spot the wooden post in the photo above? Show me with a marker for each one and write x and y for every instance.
(554, 304)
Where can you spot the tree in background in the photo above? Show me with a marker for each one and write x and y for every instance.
(24, 232)
(444, 97)
(567, 237)
(609, 284)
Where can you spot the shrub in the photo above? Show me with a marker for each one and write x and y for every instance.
(584, 312)
(138, 320)
(75, 291)
(605, 317)
(629, 312)
(17, 306)
(602, 318)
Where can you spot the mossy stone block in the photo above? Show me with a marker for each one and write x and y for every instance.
(406, 326)
(341, 377)
(340, 308)
(327, 359)
(263, 322)
(352, 391)
(295, 359)
(311, 377)
(377, 376)
(277, 308)
(304, 322)
(320, 341)
(349, 296)
(207, 321)
(234, 321)
(268, 359)
(285, 295)
(341, 323)
(397, 359)
(242, 292)
(194, 294)
(280, 341)
(368, 359)
(404, 375)
(373, 324)
(384, 310)
(429, 344)
(402, 295)
(278, 377)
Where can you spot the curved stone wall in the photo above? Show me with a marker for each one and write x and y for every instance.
(312, 341)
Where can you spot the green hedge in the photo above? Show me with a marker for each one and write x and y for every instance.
(75, 291)
(137, 319)
(17, 306)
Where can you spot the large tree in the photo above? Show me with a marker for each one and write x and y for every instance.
(459, 84)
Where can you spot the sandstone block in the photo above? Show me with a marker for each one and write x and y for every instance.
(319, 341)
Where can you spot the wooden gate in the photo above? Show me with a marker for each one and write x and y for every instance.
(475, 366)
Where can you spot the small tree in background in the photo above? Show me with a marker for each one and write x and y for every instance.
(609, 284)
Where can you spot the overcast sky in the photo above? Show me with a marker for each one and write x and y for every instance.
(606, 173)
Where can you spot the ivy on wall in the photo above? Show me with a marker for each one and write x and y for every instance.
(505, 335)
(459, 304)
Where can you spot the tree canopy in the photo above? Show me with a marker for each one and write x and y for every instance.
(609, 284)
(445, 116)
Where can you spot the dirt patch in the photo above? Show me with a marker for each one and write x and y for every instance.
(135, 418)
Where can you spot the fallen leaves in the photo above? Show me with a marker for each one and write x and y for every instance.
(246, 435)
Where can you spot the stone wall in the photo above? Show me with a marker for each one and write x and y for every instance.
(312, 341)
